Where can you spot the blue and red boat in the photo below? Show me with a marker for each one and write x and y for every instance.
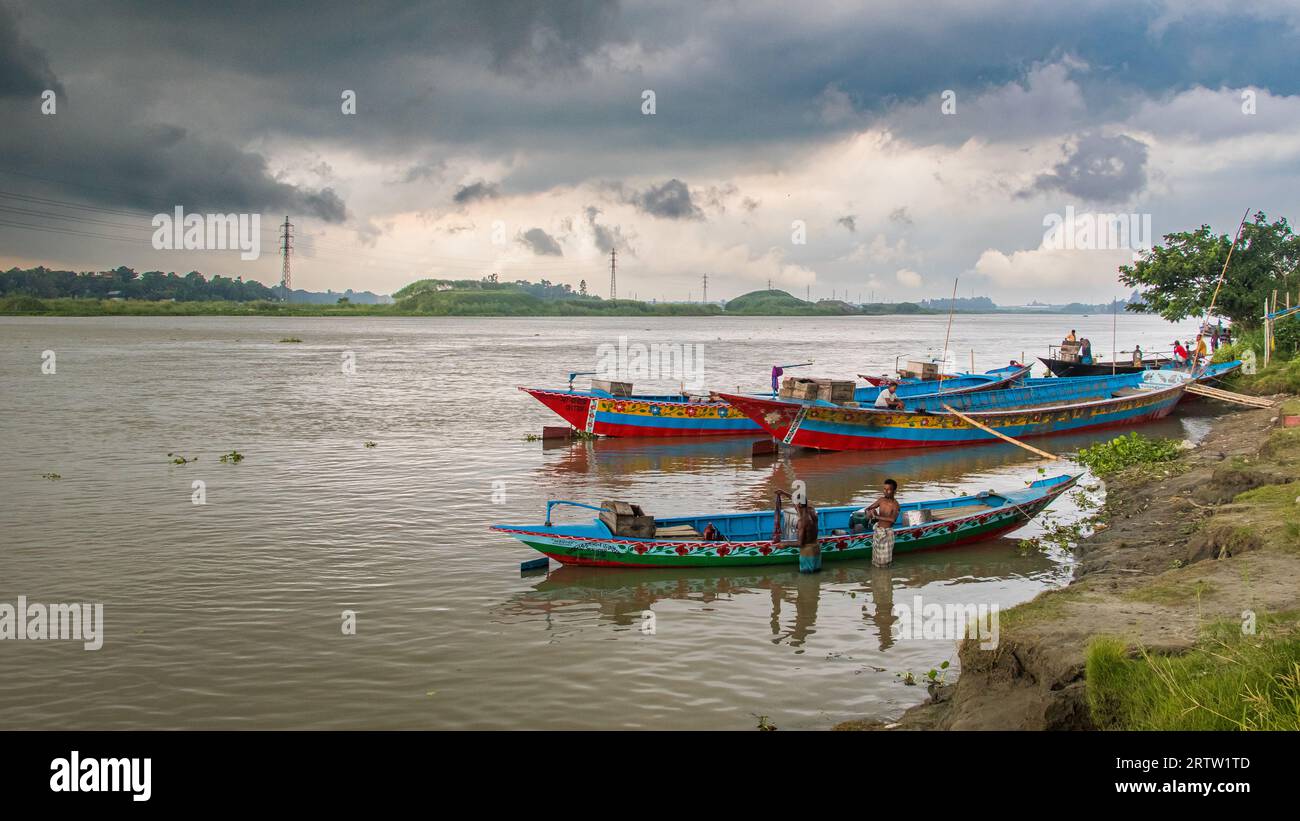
(743, 539)
(1043, 408)
(602, 413)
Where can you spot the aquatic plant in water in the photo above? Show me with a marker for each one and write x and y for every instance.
(233, 458)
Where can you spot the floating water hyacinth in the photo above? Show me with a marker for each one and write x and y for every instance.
(234, 457)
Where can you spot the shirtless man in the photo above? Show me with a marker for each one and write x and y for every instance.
(806, 528)
(885, 510)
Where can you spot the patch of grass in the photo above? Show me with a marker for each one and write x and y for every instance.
(1229, 681)
(1279, 377)
(1172, 591)
(1109, 458)
(1049, 604)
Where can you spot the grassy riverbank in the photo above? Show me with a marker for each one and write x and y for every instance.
(1185, 608)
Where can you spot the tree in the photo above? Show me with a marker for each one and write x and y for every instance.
(1177, 280)
(582, 287)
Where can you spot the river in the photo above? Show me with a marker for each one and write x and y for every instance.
(229, 614)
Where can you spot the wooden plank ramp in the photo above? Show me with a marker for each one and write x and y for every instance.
(1229, 396)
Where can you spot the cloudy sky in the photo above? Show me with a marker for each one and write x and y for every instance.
(838, 147)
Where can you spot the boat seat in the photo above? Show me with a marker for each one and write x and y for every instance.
(679, 532)
(957, 512)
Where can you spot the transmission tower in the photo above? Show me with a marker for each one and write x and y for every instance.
(706, 289)
(613, 273)
(286, 250)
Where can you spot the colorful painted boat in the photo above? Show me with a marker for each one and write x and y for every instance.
(955, 520)
(601, 413)
(1046, 407)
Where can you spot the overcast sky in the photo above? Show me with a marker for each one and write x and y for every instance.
(512, 138)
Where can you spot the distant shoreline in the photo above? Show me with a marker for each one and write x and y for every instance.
(69, 307)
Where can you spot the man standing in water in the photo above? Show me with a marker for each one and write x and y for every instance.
(885, 511)
(806, 528)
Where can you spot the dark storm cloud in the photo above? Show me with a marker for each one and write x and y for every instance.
(557, 84)
(541, 243)
(476, 191)
(849, 221)
(1097, 168)
(24, 69)
(671, 200)
(606, 237)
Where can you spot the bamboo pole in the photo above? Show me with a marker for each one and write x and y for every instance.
(1214, 299)
(951, 306)
(1114, 329)
(963, 417)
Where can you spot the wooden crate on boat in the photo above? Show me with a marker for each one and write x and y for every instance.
(611, 387)
(626, 519)
(1071, 351)
(835, 390)
(799, 387)
(920, 370)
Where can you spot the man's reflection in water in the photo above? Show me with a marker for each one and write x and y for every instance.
(807, 595)
(882, 595)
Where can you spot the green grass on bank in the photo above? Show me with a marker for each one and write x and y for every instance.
(1230, 681)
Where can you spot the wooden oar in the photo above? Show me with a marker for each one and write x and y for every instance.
(963, 417)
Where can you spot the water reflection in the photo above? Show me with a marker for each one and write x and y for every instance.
(620, 596)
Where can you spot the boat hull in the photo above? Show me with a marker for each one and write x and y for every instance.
(640, 417)
(835, 428)
(599, 551)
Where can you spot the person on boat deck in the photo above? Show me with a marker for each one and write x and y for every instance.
(888, 397)
(885, 511)
(1072, 337)
(1085, 351)
(777, 371)
(1137, 356)
(1214, 339)
(1200, 348)
(1180, 353)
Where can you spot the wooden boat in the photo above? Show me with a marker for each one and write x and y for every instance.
(1049, 406)
(601, 413)
(677, 542)
(1068, 367)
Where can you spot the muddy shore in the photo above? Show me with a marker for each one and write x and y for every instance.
(1179, 547)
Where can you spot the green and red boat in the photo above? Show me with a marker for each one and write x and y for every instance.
(744, 539)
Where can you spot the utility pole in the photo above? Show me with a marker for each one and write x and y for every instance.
(706, 289)
(613, 273)
(286, 250)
